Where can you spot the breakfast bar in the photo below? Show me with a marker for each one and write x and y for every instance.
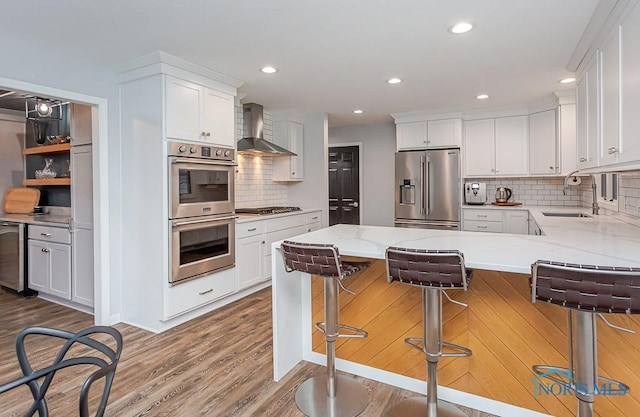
(598, 240)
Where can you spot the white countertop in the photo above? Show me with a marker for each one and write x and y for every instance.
(244, 217)
(598, 240)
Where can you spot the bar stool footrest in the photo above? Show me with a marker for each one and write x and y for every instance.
(357, 333)
(417, 343)
(543, 370)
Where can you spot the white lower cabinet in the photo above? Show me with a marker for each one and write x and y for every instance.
(495, 220)
(196, 293)
(254, 239)
(49, 261)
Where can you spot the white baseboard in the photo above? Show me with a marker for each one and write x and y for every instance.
(114, 319)
(66, 303)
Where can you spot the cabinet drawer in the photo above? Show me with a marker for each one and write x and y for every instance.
(311, 227)
(50, 234)
(483, 215)
(198, 292)
(249, 229)
(315, 217)
(481, 226)
(285, 222)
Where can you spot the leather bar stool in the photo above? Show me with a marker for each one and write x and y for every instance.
(433, 271)
(585, 291)
(335, 395)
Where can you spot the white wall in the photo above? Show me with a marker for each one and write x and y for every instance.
(378, 156)
(31, 63)
(11, 144)
(313, 192)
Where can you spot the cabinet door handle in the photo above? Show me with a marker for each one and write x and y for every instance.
(206, 292)
(208, 134)
(482, 215)
(253, 229)
(293, 173)
(583, 159)
(263, 242)
(45, 234)
(612, 150)
(482, 227)
(203, 134)
(551, 168)
(314, 218)
(45, 250)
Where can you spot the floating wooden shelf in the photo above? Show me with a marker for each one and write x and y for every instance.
(46, 181)
(61, 147)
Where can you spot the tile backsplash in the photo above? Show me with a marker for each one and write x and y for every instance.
(540, 191)
(254, 185)
(629, 193)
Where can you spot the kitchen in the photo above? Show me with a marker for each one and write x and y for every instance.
(120, 163)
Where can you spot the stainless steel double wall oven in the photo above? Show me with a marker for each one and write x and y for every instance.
(201, 210)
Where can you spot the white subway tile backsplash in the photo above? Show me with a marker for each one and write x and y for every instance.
(254, 185)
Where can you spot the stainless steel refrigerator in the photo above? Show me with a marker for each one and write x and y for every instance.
(427, 189)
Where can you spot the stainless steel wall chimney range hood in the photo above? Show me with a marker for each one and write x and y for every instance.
(253, 143)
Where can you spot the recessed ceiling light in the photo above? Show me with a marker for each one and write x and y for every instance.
(482, 96)
(461, 27)
(567, 80)
(358, 111)
(268, 70)
(394, 80)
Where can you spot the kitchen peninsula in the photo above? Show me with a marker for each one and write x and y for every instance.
(505, 330)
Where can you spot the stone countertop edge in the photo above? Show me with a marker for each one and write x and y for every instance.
(604, 240)
(41, 220)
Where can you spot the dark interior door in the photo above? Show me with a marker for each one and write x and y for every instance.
(344, 185)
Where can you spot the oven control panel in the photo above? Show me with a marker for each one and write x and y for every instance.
(190, 150)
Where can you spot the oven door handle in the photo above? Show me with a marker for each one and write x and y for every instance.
(207, 220)
(203, 162)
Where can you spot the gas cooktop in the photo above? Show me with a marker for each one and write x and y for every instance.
(267, 210)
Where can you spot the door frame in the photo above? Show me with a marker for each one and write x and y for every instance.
(100, 161)
(360, 169)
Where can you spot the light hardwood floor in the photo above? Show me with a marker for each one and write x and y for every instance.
(217, 365)
(506, 332)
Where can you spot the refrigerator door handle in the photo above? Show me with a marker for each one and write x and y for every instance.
(427, 189)
(423, 168)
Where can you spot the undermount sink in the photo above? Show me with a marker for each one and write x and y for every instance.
(552, 214)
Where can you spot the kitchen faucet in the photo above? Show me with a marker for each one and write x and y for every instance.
(594, 206)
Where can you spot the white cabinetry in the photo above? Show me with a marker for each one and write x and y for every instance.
(289, 135)
(198, 113)
(82, 225)
(495, 220)
(512, 145)
(567, 119)
(630, 85)
(254, 239)
(543, 143)
(496, 147)
(429, 134)
(611, 145)
(49, 257)
(587, 112)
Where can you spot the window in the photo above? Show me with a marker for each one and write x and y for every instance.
(607, 190)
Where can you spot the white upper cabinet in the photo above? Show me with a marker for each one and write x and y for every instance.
(444, 133)
(411, 135)
(610, 105)
(218, 121)
(198, 113)
(543, 143)
(567, 118)
(630, 85)
(512, 145)
(479, 147)
(289, 135)
(587, 112)
(183, 102)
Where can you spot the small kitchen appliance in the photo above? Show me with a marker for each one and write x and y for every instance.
(503, 194)
(475, 193)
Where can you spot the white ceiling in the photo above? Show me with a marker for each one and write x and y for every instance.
(333, 55)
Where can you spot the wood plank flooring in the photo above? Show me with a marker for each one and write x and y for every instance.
(217, 365)
(506, 332)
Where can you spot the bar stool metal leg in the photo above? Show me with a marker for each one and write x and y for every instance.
(335, 395)
(586, 362)
(429, 406)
